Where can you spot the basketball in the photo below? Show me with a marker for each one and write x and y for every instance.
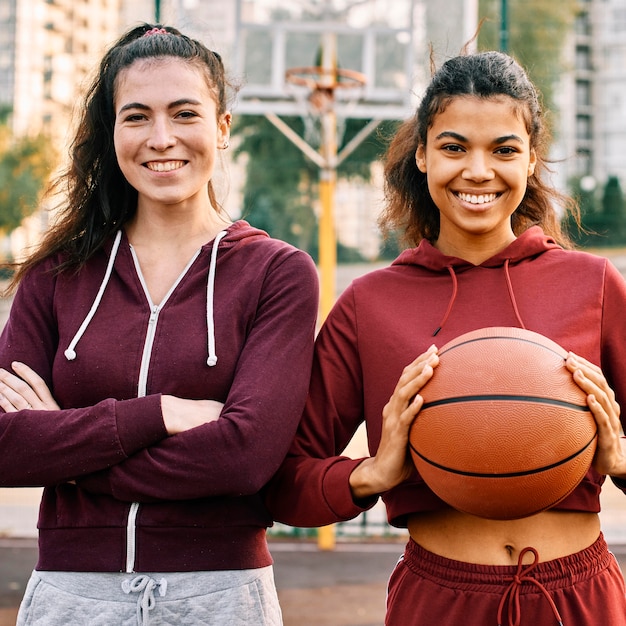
(504, 431)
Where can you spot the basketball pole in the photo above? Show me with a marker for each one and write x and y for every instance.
(328, 180)
(327, 159)
(327, 236)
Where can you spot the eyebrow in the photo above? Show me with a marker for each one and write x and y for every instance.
(461, 138)
(172, 105)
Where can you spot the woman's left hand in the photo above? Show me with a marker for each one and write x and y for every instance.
(610, 457)
(24, 389)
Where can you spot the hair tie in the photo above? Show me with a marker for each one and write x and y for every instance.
(155, 31)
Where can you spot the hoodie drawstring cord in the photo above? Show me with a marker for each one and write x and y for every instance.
(455, 286)
(513, 590)
(144, 586)
(210, 292)
(509, 285)
(70, 353)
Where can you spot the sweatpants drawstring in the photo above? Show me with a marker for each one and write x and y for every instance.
(513, 590)
(144, 585)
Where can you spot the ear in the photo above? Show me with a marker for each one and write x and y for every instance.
(223, 129)
(420, 159)
(532, 163)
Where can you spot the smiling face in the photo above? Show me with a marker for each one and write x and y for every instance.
(477, 160)
(167, 132)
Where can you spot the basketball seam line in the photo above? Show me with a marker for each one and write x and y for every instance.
(509, 397)
(506, 474)
(489, 338)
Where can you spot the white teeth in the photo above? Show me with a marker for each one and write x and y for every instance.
(168, 166)
(475, 199)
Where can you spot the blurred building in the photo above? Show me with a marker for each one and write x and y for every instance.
(47, 48)
(592, 103)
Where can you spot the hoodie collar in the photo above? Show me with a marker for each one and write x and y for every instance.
(238, 230)
(529, 244)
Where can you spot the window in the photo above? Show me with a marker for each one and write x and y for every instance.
(583, 24)
(583, 93)
(583, 127)
(583, 58)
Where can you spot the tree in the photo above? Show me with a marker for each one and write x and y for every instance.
(537, 33)
(614, 211)
(25, 165)
(281, 186)
(603, 219)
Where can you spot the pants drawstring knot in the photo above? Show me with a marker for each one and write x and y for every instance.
(144, 586)
(513, 590)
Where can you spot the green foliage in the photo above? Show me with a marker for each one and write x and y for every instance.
(537, 34)
(282, 184)
(613, 198)
(25, 165)
(603, 216)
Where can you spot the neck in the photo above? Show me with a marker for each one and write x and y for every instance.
(475, 250)
(174, 227)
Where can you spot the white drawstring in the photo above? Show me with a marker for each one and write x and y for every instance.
(210, 292)
(70, 353)
(145, 586)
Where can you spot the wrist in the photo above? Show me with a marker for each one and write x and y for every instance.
(364, 482)
(170, 420)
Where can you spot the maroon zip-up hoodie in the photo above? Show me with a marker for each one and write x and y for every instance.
(120, 495)
(385, 319)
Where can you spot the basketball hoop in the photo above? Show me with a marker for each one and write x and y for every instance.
(317, 77)
(316, 94)
(322, 82)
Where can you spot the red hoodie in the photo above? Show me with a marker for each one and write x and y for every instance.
(120, 495)
(385, 319)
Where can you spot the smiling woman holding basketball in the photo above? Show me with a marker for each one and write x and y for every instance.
(465, 182)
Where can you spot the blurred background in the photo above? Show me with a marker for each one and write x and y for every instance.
(318, 88)
(575, 51)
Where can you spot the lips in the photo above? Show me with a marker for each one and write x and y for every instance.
(477, 198)
(164, 166)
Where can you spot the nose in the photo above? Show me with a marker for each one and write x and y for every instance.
(478, 167)
(161, 136)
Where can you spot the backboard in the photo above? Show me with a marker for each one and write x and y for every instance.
(374, 38)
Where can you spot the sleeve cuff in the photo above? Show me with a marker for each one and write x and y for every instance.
(337, 490)
(139, 423)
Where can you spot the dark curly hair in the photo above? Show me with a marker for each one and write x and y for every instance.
(96, 198)
(409, 208)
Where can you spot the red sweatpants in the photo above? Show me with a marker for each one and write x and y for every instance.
(586, 588)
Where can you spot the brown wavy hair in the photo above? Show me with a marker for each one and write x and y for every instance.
(96, 198)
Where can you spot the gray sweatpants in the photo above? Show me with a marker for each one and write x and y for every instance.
(229, 598)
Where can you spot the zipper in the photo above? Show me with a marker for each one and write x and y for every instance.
(147, 351)
(131, 544)
(131, 522)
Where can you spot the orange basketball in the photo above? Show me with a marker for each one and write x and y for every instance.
(504, 431)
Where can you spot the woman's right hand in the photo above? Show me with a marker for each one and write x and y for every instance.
(180, 414)
(392, 463)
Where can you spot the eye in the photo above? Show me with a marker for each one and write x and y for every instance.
(506, 150)
(131, 117)
(185, 115)
(453, 147)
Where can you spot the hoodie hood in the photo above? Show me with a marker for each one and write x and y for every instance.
(531, 243)
(229, 237)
